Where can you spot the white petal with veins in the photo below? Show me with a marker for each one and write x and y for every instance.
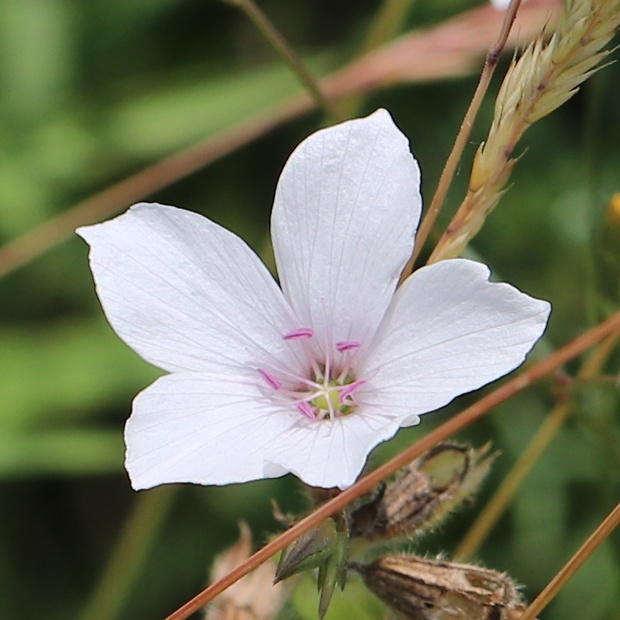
(181, 290)
(448, 331)
(345, 213)
(205, 428)
(332, 453)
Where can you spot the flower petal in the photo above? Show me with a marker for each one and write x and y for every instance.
(331, 453)
(181, 290)
(448, 331)
(205, 428)
(344, 218)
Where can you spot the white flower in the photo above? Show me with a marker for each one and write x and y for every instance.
(309, 378)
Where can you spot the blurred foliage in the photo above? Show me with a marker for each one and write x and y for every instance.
(93, 91)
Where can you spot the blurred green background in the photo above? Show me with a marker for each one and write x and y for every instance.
(91, 92)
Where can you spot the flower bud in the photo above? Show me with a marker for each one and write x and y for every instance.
(309, 551)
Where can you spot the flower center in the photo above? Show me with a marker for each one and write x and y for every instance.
(328, 391)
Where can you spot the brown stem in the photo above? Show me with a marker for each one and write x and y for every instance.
(143, 183)
(463, 136)
(574, 564)
(528, 459)
(365, 484)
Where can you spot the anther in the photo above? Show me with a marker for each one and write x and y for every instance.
(299, 334)
(347, 345)
(306, 409)
(349, 389)
(270, 379)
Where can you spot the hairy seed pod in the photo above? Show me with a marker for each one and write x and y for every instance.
(422, 495)
(422, 589)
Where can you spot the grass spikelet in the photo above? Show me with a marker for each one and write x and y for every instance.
(544, 77)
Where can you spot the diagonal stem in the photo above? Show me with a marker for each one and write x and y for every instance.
(532, 453)
(145, 182)
(574, 564)
(365, 484)
(276, 39)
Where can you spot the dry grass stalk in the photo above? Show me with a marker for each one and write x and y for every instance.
(541, 80)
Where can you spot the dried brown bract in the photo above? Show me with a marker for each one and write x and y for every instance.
(254, 597)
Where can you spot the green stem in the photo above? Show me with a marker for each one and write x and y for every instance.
(288, 55)
(387, 23)
(128, 556)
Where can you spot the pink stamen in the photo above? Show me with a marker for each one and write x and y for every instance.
(306, 409)
(299, 334)
(270, 379)
(347, 345)
(349, 389)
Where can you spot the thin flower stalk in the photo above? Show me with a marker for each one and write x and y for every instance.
(288, 55)
(541, 80)
(547, 431)
(469, 415)
(387, 22)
